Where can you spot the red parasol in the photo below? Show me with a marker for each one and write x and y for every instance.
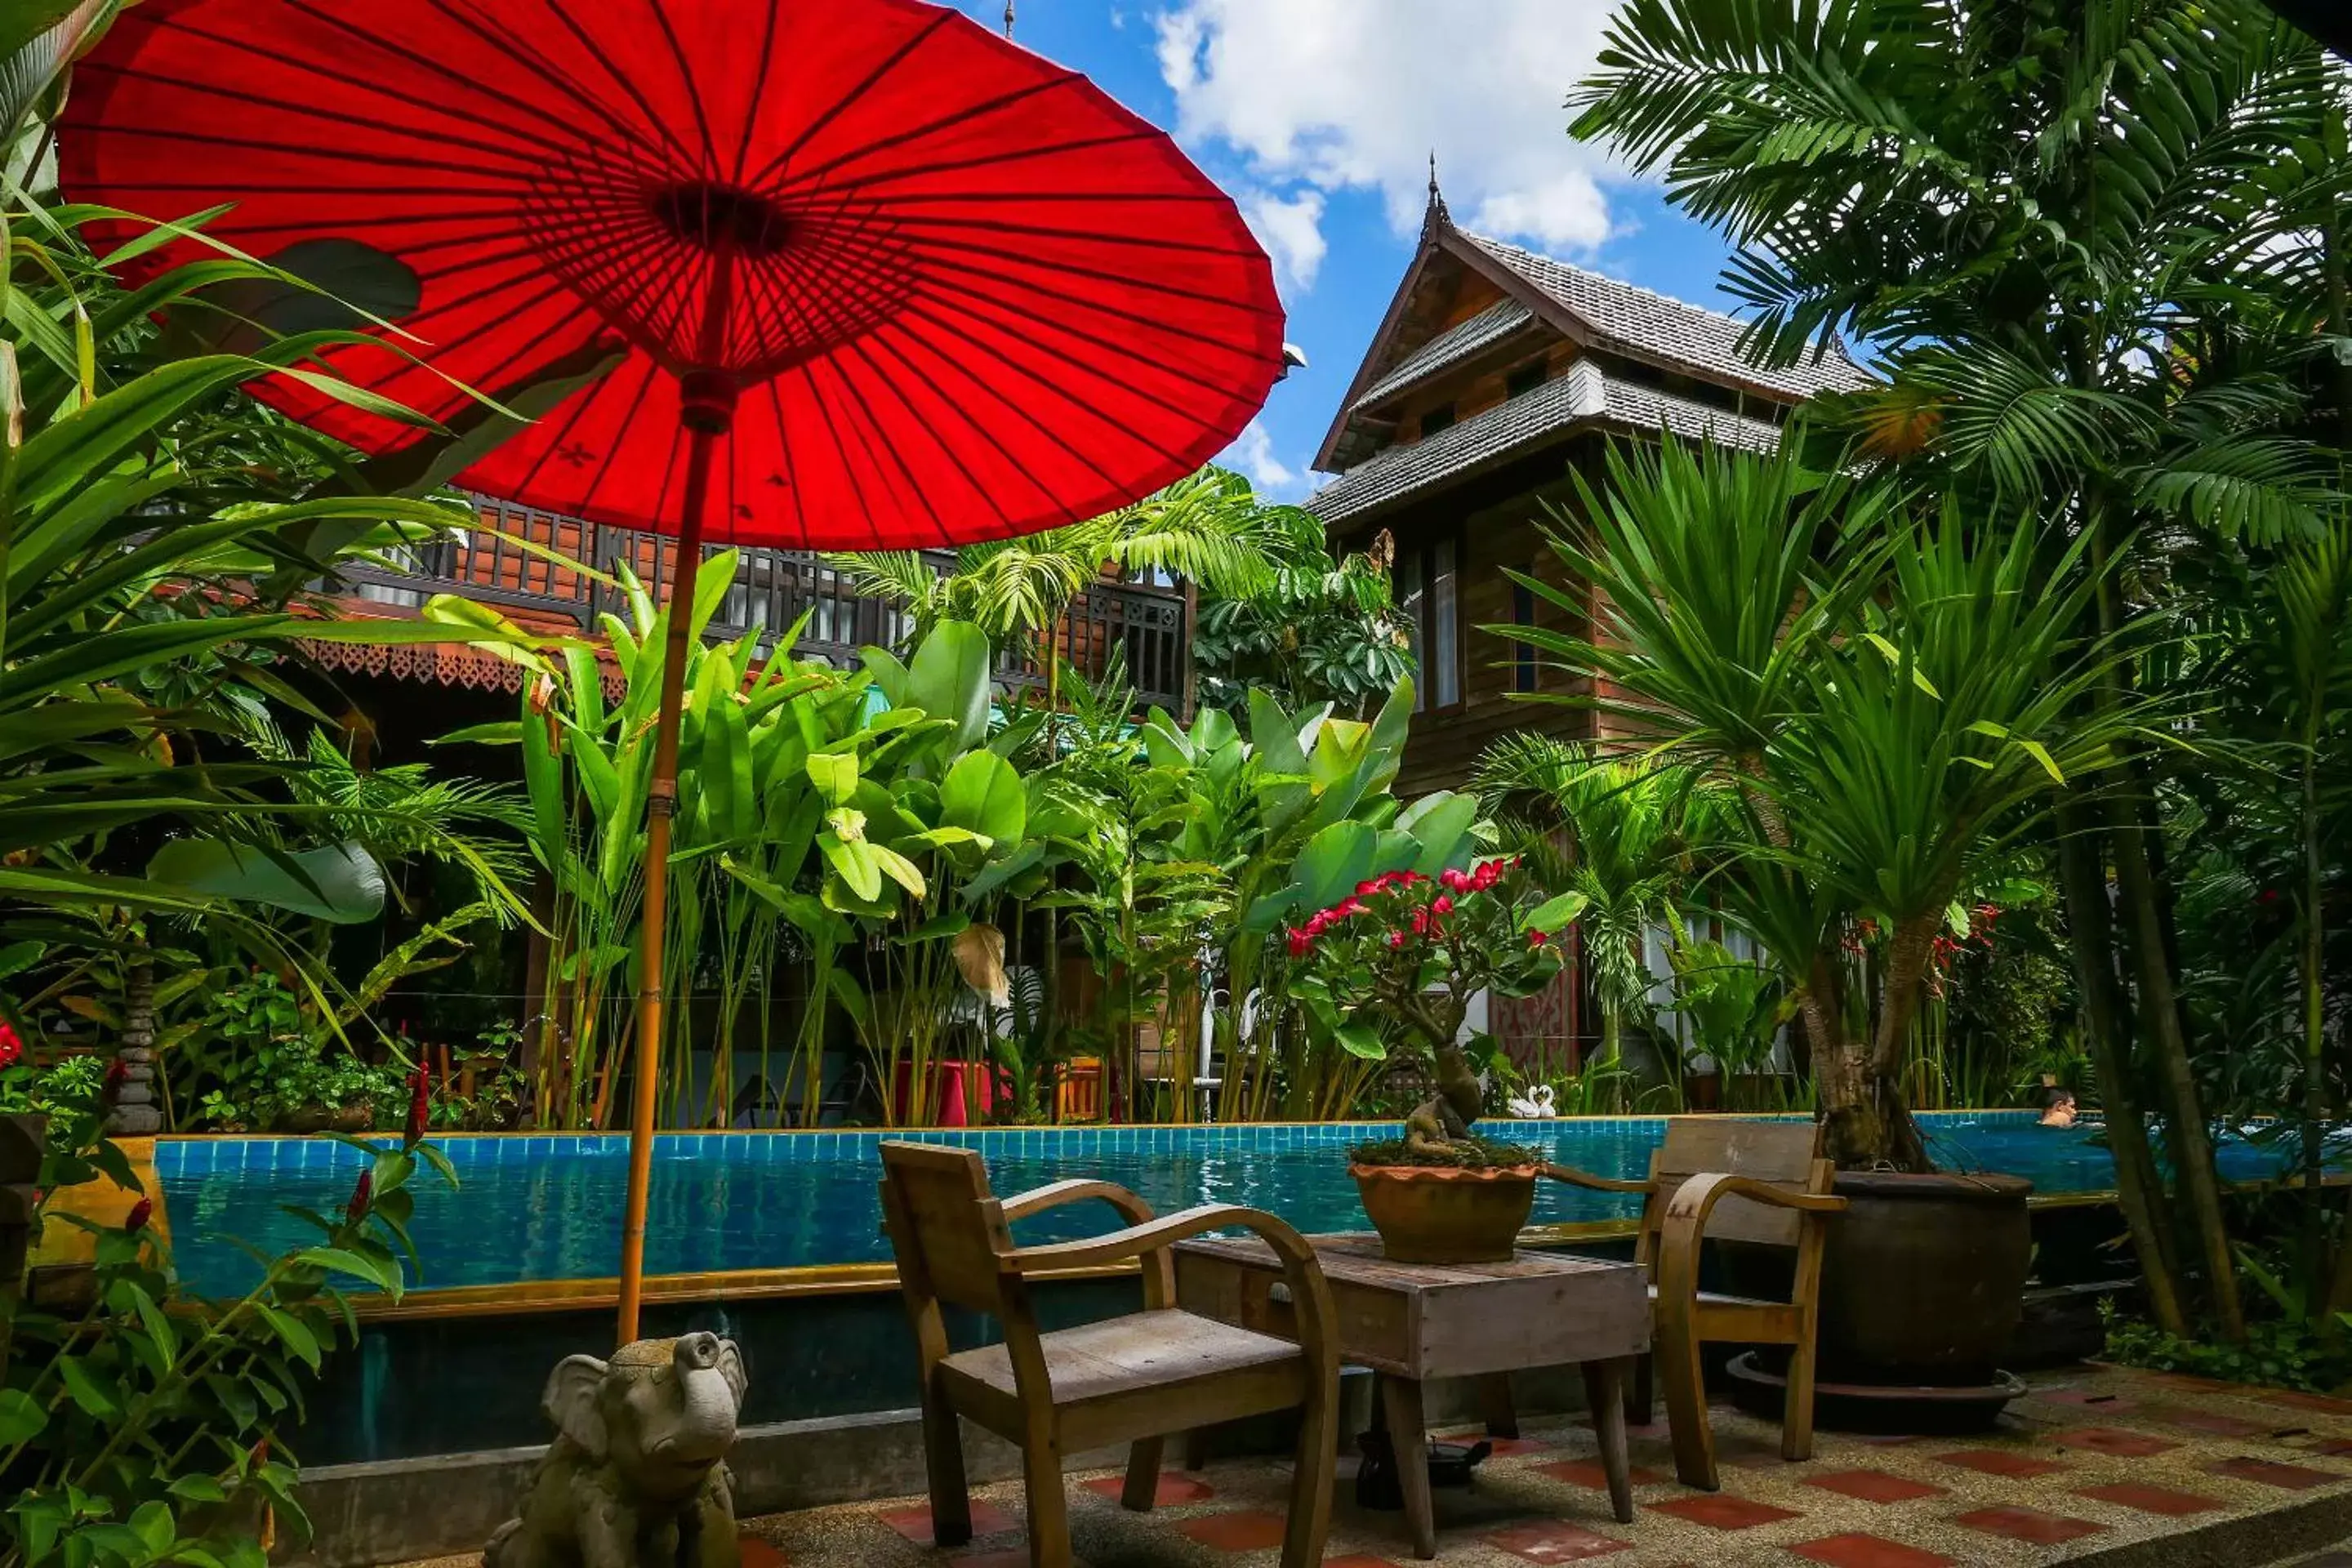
(870, 276)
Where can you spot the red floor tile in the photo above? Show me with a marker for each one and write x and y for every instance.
(1588, 1473)
(2334, 1447)
(2151, 1499)
(1718, 1511)
(2028, 1524)
(1872, 1486)
(2193, 1384)
(2207, 1422)
(2296, 1399)
(2004, 1462)
(914, 1523)
(758, 1554)
(1555, 1541)
(1247, 1531)
(2097, 1399)
(2272, 1473)
(1174, 1490)
(1868, 1552)
(2114, 1442)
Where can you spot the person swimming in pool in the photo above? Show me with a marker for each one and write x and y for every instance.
(2058, 1107)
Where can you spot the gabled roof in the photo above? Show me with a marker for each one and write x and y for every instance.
(1540, 294)
(1487, 328)
(1584, 398)
(1652, 326)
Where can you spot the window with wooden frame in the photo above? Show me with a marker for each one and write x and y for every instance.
(1428, 594)
(1524, 668)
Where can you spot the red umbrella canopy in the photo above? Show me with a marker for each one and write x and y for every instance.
(952, 290)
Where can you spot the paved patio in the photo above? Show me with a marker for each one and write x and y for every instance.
(2096, 1465)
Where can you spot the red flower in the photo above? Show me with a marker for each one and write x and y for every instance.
(1396, 939)
(1455, 882)
(141, 1212)
(1302, 942)
(420, 1098)
(1349, 907)
(362, 1196)
(12, 1050)
(1442, 904)
(1537, 938)
(1420, 922)
(1367, 888)
(2267, 896)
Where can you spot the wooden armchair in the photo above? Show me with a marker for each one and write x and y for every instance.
(1731, 1180)
(1133, 1380)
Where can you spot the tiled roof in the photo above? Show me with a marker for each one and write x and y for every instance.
(1458, 343)
(1704, 341)
(1583, 397)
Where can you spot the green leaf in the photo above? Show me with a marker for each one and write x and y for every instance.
(1555, 913)
(984, 794)
(22, 1418)
(197, 1489)
(835, 775)
(950, 680)
(292, 1332)
(341, 883)
(97, 1400)
(1361, 1040)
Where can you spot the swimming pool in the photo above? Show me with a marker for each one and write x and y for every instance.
(538, 1208)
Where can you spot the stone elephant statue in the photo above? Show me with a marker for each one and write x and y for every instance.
(637, 1476)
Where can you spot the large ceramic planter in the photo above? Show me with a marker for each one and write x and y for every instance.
(1923, 1280)
(1923, 1285)
(1444, 1214)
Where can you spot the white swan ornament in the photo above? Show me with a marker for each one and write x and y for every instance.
(1537, 1107)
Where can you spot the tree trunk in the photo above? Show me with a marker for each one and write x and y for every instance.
(2188, 1137)
(2083, 883)
(132, 1109)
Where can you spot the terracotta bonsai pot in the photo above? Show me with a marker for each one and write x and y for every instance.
(1428, 1214)
(1923, 1279)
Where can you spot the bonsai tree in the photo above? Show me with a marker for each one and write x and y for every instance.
(1398, 961)
(1881, 702)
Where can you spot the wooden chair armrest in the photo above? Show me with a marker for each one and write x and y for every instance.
(1131, 1208)
(1310, 1294)
(1575, 1178)
(1686, 1217)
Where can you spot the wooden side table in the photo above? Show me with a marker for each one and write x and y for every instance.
(1410, 1323)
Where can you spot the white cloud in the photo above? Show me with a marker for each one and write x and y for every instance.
(1331, 94)
(1252, 454)
(1291, 229)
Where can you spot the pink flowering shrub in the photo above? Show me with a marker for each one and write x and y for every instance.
(1396, 963)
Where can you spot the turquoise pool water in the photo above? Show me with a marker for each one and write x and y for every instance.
(538, 1208)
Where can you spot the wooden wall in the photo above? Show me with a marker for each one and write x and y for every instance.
(1496, 522)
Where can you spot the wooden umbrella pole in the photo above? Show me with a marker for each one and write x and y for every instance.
(707, 409)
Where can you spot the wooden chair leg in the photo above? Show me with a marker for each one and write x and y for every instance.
(1797, 1416)
(943, 1465)
(1196, 1448)
(1502, 1411)
(1604, 1390)
(1642, 1392)
(1676, 1354)
(1408, 1426)
(1142, 1488)
(1049, 1504)
(1312, 1477)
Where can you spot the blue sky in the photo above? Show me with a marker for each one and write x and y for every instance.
(1319, 115)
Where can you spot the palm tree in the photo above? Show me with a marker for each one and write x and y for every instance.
(1209, 528)
(1882, 701)
(2078, 239)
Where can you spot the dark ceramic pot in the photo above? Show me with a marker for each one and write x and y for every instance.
(1923, 1279)
(1439, 1215)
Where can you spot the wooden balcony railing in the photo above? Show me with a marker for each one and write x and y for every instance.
(774, 588)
